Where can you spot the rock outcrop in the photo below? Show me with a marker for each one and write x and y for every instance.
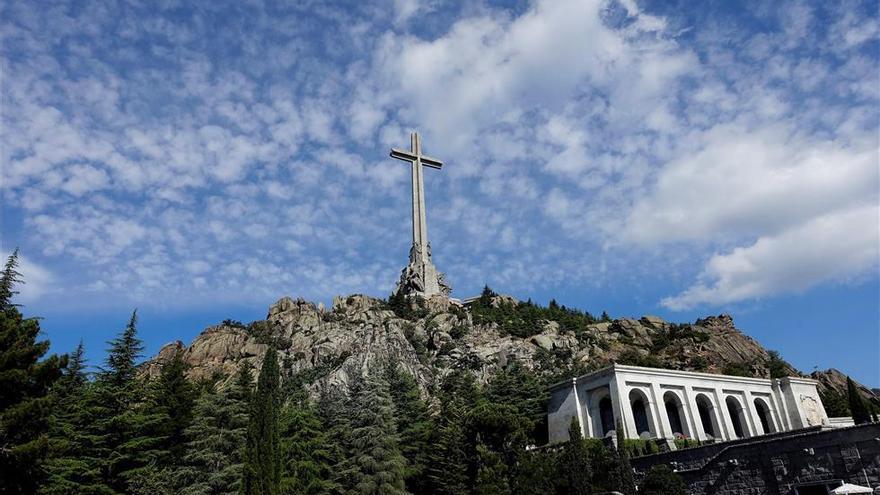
(328, 348)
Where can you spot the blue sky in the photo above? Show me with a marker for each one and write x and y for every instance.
(671, 158)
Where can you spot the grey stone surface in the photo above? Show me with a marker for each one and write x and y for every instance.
(776, 464)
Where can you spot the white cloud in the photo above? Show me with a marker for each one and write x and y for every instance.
(832, 247)
(37, 281)
(738, 182)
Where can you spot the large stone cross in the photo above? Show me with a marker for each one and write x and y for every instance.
(420, 276)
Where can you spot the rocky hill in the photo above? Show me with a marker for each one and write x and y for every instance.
(327, 347)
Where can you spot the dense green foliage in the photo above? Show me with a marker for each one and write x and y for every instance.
(661, 480)
(262, 454)
(525, 319)
(25, 382)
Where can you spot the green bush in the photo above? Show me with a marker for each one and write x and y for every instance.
(525, 319)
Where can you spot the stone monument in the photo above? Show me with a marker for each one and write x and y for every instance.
(420, 277)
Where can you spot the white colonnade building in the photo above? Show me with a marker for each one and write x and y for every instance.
(659, 403)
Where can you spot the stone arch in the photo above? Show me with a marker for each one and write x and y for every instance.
(737, 417)
(708, 416)
(675, 414)
(641, 411)
(764, 416)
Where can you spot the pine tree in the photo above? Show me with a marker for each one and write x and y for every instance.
(25, 382)
(449, 458)
(262, 457)
(333, 413)
(377, 464)
(212, 464)
(413, 424)
(306, 451)
(575, 462)
(857, 406)
(174, 398)
(517, 387)
(491, 473)
(70, 469)
(624, 481)
(127, 426)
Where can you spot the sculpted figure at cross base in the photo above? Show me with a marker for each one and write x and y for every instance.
(420, 277)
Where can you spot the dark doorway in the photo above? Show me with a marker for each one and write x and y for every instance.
(764, 416)
(640, 416)
(606, 414)
(704, 407)
(672, 412)
(735, 412)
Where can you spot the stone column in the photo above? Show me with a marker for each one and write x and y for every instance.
(585, 410)
(661, 420)
(724, 418)
(621, 412)
(752, 414)
(695, 425)
(578, 408)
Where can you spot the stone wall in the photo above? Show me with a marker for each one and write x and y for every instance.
(776, 464)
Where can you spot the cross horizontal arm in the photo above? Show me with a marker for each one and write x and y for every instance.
(408, 156)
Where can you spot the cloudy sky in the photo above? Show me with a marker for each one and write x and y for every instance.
(637, 157)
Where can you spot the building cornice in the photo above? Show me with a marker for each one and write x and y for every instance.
(641, 370)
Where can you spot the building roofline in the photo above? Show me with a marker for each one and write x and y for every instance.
(613, 368)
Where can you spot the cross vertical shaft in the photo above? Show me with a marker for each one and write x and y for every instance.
(420, 276)
(420, 225)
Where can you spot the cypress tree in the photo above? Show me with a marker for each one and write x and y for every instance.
(212, 464)
(378, 467)
(575, 462)
(262, 457)
(25, 381)
(625, 483)
(857, 406)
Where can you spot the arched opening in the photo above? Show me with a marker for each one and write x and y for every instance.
(639, 405)
(674, 412)
(606, 415)
(735, 411)
(707, 416)
(764, 416)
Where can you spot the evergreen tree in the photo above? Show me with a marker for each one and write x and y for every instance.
(127, 427)
(334, 415)
(624, 481)
(378, 467)
(413, 424)
(449, 459)
(174, 398)
(857, 406)
(575, 462)
(69, 468)
(661, 480)
(491, 473)
(262, 457)
(307, 456)
(25, 382)
(518, 387)
(212, 464)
